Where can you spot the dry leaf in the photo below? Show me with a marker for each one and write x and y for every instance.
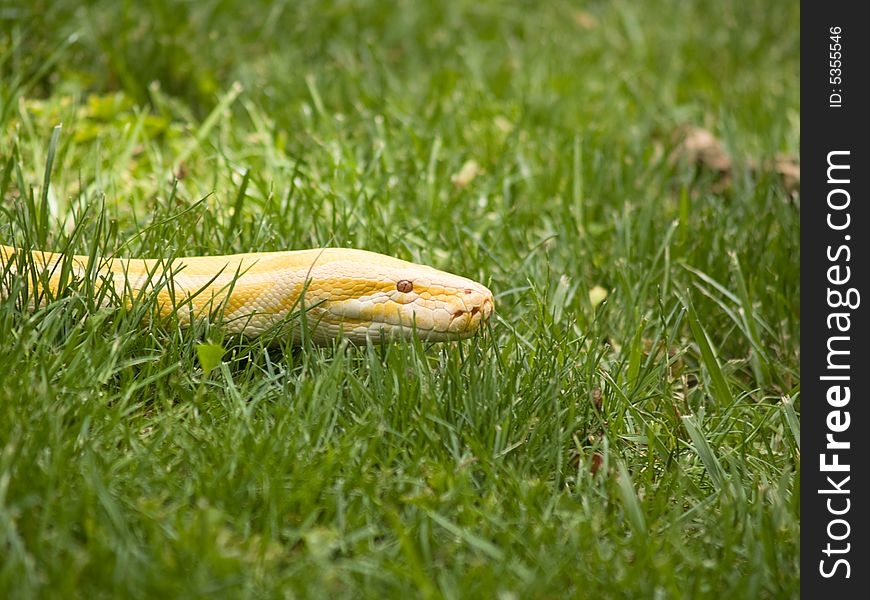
(790, 171)
(595, 463)
(698, 146)
(466, 174)
(585, 19)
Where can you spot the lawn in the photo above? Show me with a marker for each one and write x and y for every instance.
(626, 427)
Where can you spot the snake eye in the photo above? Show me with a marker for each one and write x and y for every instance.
(405, 286)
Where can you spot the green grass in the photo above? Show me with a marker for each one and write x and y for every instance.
(646, 446)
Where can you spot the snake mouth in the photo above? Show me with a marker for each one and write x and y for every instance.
(487, 308)
(466, 321)
(484, 309)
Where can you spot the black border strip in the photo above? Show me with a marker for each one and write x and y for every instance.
(834, 263)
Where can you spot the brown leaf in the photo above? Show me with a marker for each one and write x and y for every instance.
(470, 169)
(596, 398)
(698, 146)
(790, 171)
(595, 462)
(585, 19)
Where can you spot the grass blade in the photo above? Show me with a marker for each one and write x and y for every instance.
(631, 502)
(44, 211)
(720, 391)
(703, 449)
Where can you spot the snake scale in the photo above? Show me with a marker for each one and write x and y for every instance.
(353, 294)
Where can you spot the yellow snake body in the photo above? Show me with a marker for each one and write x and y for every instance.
(332, 292)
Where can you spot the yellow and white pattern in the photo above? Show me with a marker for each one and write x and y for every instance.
(355, 294)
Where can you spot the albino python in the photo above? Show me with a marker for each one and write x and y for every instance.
(353, 294)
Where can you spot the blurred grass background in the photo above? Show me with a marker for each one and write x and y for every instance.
(645, 445)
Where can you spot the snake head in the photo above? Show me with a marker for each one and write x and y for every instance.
(370, 296)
